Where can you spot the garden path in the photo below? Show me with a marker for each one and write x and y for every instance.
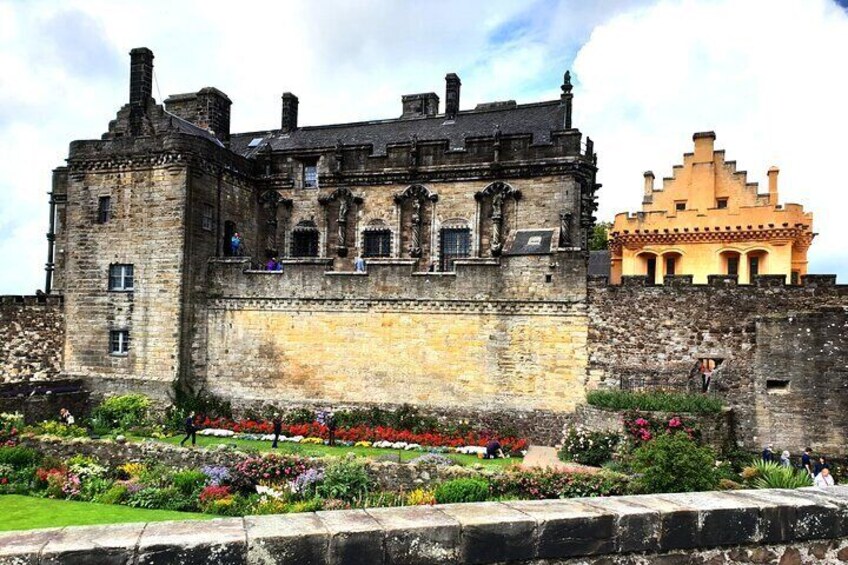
(544, 457)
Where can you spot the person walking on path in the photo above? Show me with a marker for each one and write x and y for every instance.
(277, 422)
(785, 460)
(806, 462)
(768, 454)
(190, 430)
(820, 465)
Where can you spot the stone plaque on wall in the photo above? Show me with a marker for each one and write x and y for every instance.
(531, 242)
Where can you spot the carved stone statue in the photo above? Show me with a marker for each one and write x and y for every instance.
(565, 229)
(417, 217)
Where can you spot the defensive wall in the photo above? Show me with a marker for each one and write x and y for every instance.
(782, 350)
(764, 526)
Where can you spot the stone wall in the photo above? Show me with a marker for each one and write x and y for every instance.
(767, 526)
(656, 334)
(37, 401)
(32, 334)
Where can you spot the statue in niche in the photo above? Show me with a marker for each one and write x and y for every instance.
(497, 222)
(565, 229)
(417, 220)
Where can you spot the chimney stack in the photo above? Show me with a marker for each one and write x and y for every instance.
(704, 146)
(141, 76)
(772, 176)
(452, 84)
(648, 197)
(289, 118)
(566, 99)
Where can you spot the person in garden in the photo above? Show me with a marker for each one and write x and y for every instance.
(806, 461)
(820, 465)
(277, 423)
(66, 417)
(706, 375)
(330, 421)
(768, 454)
(785, 460)
(823, 479)
(190, 429)
(493, 449)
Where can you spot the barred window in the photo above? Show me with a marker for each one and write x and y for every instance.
(207, 220)
(455, 244)
(104, 209)
(305, 240)
(310, 175)
(377, 243)
(119, 342)
(121, 277)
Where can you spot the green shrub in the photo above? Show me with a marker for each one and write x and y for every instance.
(153, 497)
(16, 480)
(54, 428)
(674, 463)
(547, 483)
(94, 487)
(115, 494)
(345, 479)
(588, 447)
(654, 401)
(121, 412)
(19, 457)
(299, 416)
(462, 490)
(189, 482)
(773, 475)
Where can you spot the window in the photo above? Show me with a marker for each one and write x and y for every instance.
(721, 203)
(310, 175)
(305, 243)
(456, 244)
(669, 265)
(120, 277)
(119, 342)
(104, 209)
(733, 265)
(207, 219)
(680, 206)
(651, 269)
(753, 266)
(377, 244)
(777, 386)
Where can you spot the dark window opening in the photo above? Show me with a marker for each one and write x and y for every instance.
(679, 206)
(207, 219)
(754, 266)
(121, 277)
(651, 269)
(549, 278)
(377, 244)
(310, 175)
(104, 209)
(229, 232)
(777, 386)
(721, 203)
(733, 265)
(305, 243)
(669, 266)
(119, 342)
(455, 244)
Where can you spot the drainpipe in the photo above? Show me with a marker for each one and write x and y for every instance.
(51, 238)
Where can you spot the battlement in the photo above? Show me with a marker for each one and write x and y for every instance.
(31, 300)
(671, 282)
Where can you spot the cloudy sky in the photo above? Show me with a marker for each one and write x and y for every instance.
(768, 76)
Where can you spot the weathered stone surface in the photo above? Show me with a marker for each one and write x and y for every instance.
(295, 539)
(32, 334)
(568, 528)
(678, 521)
(809, 518)
(493, 532)
(193, 543)
(84, 545)
(418, 535)
(24, 548)
(355, 537)
(722, 520)
(637, 528)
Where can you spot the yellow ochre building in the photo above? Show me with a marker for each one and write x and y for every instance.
(708, 219)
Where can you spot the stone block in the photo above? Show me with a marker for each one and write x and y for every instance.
(566, 528)
(637, 528)
(106, 545)
(722, 520)
(24, 548)
(418, 535)
(810, 518)
(193, 543)
(678, 527)
(493, 532)
(835, 496)
(294, 539)
(355, 537)
(776, 519)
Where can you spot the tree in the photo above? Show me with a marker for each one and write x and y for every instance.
(600, 234)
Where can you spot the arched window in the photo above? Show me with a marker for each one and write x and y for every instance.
(305, 239)
(648, 263)
(730, 262)
(671, 263)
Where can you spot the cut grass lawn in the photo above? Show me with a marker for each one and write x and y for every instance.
(312, 450)
(28, 512)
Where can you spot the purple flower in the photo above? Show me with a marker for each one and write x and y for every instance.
(216, 473)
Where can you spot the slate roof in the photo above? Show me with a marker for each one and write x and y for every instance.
(537, 119)
(184, 126)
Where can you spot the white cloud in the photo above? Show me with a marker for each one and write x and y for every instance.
(762, 74)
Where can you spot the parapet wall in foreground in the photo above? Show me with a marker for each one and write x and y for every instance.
(765, 526)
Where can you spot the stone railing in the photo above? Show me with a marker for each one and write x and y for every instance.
(763, 526)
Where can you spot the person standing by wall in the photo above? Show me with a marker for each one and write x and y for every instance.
(235, 245)
(768, 454)
(190, 429)
(806, 462)
(277, 423)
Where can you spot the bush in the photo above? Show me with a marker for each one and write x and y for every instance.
(269, 469)
(189, 482)
(768, 474)
(420, 497)
(115, 494)
(154, 497)
(345, 479)
(588, 448)
(94, 487)
(541, 484)
(10, 424)
(654, 401)
(299, 416)
(19, 457)
(462, 490)
(674, 463)
(53, 428)
(121, 412)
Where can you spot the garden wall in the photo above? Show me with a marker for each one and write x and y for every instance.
(716, 429)
(41, 400)
(32, 336)
(782, 348)
(764, 526)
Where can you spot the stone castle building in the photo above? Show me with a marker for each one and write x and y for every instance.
(476, 302)
(707, 219)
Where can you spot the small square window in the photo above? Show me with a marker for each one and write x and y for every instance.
(378, 244)
(721, 203)
(310, 175)
(119, 342)
(680, 206)
(121, 277)
(207, 220)
(104, 209)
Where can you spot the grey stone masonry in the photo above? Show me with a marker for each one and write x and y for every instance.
(791, 526)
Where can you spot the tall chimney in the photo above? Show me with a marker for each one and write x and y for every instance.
(648, 197)
(452, 84)
(772, 176)
(704, 146)
(566, 100)
(289, 119)
(141, 76)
